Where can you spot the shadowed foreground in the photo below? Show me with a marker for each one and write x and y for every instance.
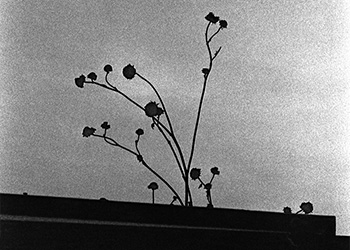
(38, 222)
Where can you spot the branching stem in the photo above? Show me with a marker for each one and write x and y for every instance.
(161, 101)
(202, 95)
(116, 144)
(172, 149)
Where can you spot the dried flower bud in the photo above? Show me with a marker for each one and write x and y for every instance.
(223, 24)
(215, 170)
(205, 71)
(195, 173)
(108, 68)
(153, 186)
(105, 125)
(87, 131)
(307, 207)
(129, 71)
(212, 18)
(92, 76)
(79, 81)
(139, 131)
(152, 109)
(287, 210)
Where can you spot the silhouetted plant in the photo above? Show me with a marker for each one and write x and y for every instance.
(174, 199)
(153, 186)
(306, 207)
(154, 111)
(287, 210)
(195, 175)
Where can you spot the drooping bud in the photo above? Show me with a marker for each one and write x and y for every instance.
(108, 68)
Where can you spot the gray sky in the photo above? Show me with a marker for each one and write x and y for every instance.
(275, 120)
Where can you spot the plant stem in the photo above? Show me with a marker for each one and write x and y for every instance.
(118, 91)
(201, 181)
(106, 80)
(114, 89)
(160, 99)
(172, 149)
(212, 178)
(172, 134)
(212, 36)
(163, 180)
(114, 143)
(201, 100)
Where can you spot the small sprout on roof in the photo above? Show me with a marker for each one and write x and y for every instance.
(153, 186)
(287, 210)
(306, 207)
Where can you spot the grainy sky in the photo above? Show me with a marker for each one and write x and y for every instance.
(276, 114)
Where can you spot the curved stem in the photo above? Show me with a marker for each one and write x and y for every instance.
(106, 80)
(160, 99)
(112, 88)
(184, 173)
(212, 36)
(125, 96)
(163, 180)
(137, 146)
(112, 142)
(172, 150)
(115, 143)
(172, 134)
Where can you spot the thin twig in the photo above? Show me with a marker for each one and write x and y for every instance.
(212, 178)
(112, 88)
(117, 91)
(106, 80)
(116, 144)
(201, 99)
(163, 180)
(160, 99)
(209, 40)
(172, 150)
(112, 142)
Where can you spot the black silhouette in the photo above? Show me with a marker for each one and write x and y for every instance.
(155, 111)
